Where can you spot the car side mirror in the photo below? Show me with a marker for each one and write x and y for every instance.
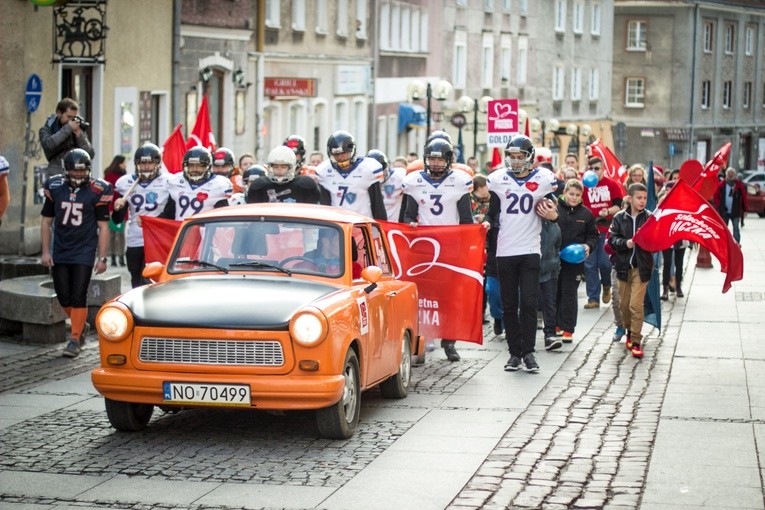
(372, 274)
(153, 270)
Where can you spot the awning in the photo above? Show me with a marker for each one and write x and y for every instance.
(411, 116)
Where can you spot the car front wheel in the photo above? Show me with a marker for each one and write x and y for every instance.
(127, 416)
(339, 421)
(397, 386)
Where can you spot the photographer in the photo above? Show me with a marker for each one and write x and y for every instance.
(62, 132)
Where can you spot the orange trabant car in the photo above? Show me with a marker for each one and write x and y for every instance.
(262, 306)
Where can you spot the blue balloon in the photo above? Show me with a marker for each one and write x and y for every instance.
(573, 254)
(590, 179)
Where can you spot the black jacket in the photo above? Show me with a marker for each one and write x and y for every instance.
(577, 226)
(623, 228)
(57, 140)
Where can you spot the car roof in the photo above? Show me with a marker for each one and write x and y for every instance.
(286, 210)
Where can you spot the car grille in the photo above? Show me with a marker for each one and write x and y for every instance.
(262, 353)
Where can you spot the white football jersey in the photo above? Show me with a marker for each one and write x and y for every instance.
(393, 192)
(350, 190)
(520, 227)
(193, 199)
(146, 199)
(437, 200)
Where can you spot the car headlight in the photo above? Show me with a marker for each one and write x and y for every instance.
(114, 322)
(309, 327)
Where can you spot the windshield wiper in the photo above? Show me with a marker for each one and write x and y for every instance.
(202, 263)
(257, 263)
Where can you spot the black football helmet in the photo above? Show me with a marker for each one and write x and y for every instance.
(77, 160)
(443, 135)
(438, 148)
(147, 155)
(341, 142)
(381, 158)
(200, 156)
(297, 144)
(253, 173)
(223, 162)
(519, 144)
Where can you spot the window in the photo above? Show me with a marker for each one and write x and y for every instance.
(595, 29)
(749, 42)
(730, 38)
(273, 13)
(706, 94)
(557, 85)
(747, 99)
(560, 15)
(406, 28)
(342, 18)
(359, 127)
(424, 30)
(461, 3)
(415, 46)
(576, 84)
(634, 95)
(488, 5)
(297, 117)
(523, 59)
(384, 37)
(727, 94)
(321, 17)
(395, 26)
(487, 64)
(507, 5)
(341, 120)
(594, 90)
(298, 15)
(460, 59)
(361, 20)
(505, 57)
(523, 7)
(709, 36)
(636, 35)
(578, 16)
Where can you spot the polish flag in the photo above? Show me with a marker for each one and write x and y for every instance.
(173, 150)
(202, 133)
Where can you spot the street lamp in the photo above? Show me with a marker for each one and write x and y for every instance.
(467, 103)
(418, 89)
(576, 131)
(544, 127)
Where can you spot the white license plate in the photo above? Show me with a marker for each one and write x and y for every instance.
(207, 394)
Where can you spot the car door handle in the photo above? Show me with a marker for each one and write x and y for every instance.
(391, 294)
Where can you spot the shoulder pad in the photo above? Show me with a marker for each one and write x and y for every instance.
(260, 183)
(305, 182)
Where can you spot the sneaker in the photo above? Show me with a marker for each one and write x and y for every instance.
(558, 331)
(567, 337)
(591, 304)
(680, 292)
(72, 349)
(430, 346)
(637, 350)
(498, 329)
(530, 363)
(552, 343)
(619, 333)
(628, 342)
(513, 364)
(451, 351)
(606, 294)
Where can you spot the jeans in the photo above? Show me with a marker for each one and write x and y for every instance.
(519, 288)
(548, 293)
(616, 302)
(597, 269)
(493, 296)
(670, 254)
(735, 221)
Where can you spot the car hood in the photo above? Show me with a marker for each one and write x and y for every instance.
(223, 302)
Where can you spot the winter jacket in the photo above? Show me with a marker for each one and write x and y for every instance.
(577, 226)
(57, 141)
(623, 228)
(550, 246)
(740, 204)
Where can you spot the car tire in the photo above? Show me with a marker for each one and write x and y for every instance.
(397, 386)
(761, 214)
(340, 420)
(127, 416)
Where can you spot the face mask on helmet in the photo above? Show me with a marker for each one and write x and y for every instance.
(516, 160)
(438, 158)
(223, 162)
(341, 149)
(196, 165)
(77, 168)
(281, 164)
(147, 170)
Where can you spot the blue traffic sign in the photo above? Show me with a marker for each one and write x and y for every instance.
(33, 94)
(672, 149)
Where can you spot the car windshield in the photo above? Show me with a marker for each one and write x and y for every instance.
(260, 244)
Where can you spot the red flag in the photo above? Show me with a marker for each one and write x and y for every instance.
(612, 167)
(707, 181)
(158, 238)
(173, 150)
(526, 131)
(430, 256)
(496, 158)
(684, 214)
(202, 133)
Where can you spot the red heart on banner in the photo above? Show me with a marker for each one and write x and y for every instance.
(201, 196)
(532, 185)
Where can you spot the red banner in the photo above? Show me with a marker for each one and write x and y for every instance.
(612, 167)
(707, 182)
(202, 133)
(173, 150)
(446, 263)
(684, 214)
(158, 238)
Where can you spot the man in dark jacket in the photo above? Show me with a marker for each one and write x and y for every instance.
(730, 201)
(61, 133)
(634, 265)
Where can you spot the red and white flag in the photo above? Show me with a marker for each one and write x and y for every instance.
(173, 150)
(612, 167)
(707, 182)
(684, 214)
(202, 133)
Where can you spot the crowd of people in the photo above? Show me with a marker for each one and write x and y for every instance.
(547, 229)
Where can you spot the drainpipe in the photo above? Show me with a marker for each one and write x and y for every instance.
(375, 64)
(260, 80)
(691, 143)
(176, 100)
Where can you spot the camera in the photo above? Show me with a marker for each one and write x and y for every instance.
(84, 124)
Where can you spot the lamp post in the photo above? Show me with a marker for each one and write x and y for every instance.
(575, 131)
(551, 125)
(467, 103)
(418, 89)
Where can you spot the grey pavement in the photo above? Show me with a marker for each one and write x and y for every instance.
(682, 428)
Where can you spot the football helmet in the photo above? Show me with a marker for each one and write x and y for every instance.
(381, 158)
(542, 155)
(438, 134)
(223, 162)
(281, 155)
(77, 160)
(252, 173)
(198, 156)
(297, 144)
(522, 145)
(341, 142)
(438, 148)
(148, 161)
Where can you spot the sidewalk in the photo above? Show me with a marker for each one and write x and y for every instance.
(596, 428)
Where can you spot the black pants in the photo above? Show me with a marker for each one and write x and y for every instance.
(519, 287)
(666, 274)
(135, 265)
(70, 282)
(548, 293)
(568, 285)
